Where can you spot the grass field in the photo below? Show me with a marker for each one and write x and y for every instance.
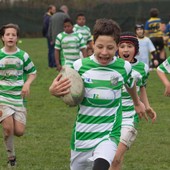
(45, 145)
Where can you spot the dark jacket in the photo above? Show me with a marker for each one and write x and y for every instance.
(46, 20)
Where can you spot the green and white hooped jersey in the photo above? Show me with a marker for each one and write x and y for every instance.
(140, 73)
(165, 66)
(100, 113)
(84, 31)
(69, 46)
(13, 66)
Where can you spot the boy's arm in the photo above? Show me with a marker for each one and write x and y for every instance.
(84, 52)
(139, 106)
(26, 87)
(57, 59)
(165, 81)
(144, 98)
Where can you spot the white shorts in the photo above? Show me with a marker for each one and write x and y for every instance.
(84, 160)
(18, 113)
(128, 135)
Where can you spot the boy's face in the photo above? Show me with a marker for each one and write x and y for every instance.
(10, 37)
(81, 20)
(126, 51)
(68, 27)
(104, 49)
(140, 32)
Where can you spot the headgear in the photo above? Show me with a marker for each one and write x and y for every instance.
(130, 37)
(139, 26)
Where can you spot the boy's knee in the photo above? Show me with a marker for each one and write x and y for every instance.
(19, 132)
(7, 131)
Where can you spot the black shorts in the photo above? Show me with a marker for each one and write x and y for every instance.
(158, 42)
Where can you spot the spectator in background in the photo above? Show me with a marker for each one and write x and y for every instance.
(145, 45)
(56, 26)
(80, 27)
(153, 30)
(46, 18)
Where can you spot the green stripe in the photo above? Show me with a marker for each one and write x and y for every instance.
(163, 69)
(8, 88)
(11, 78)
(11, 66)
(10, 96)
(91, 135)
(127, 108)
(26, 63)
(9, 103)
(72, 53)
(31, 70)
(126, 95)
(95, 119)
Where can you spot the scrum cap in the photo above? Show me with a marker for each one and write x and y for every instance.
(130, 37)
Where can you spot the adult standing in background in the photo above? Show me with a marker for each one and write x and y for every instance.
(46, 18)
(56, 25)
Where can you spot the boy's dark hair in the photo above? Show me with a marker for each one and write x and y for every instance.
(154, 12)
(130, 37)
(80, 15)
(10, 25)
(68, 20)
(106, 27)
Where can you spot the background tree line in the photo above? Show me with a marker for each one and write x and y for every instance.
(28, 14)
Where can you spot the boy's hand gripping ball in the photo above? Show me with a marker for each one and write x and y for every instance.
(76, 94)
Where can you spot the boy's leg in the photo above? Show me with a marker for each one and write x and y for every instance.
(118, 159)
(13, 123)
(8, 134)
(128, 136)
(20, 121)
(103, 155)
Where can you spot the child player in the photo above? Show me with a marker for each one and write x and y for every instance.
(145, 46)
(98, 123)
(14, 64)
(83, 29)
(154, 32)
(162, 70)
(68, 45)
(128, 47)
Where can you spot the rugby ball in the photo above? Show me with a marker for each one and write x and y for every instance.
(76, 94)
